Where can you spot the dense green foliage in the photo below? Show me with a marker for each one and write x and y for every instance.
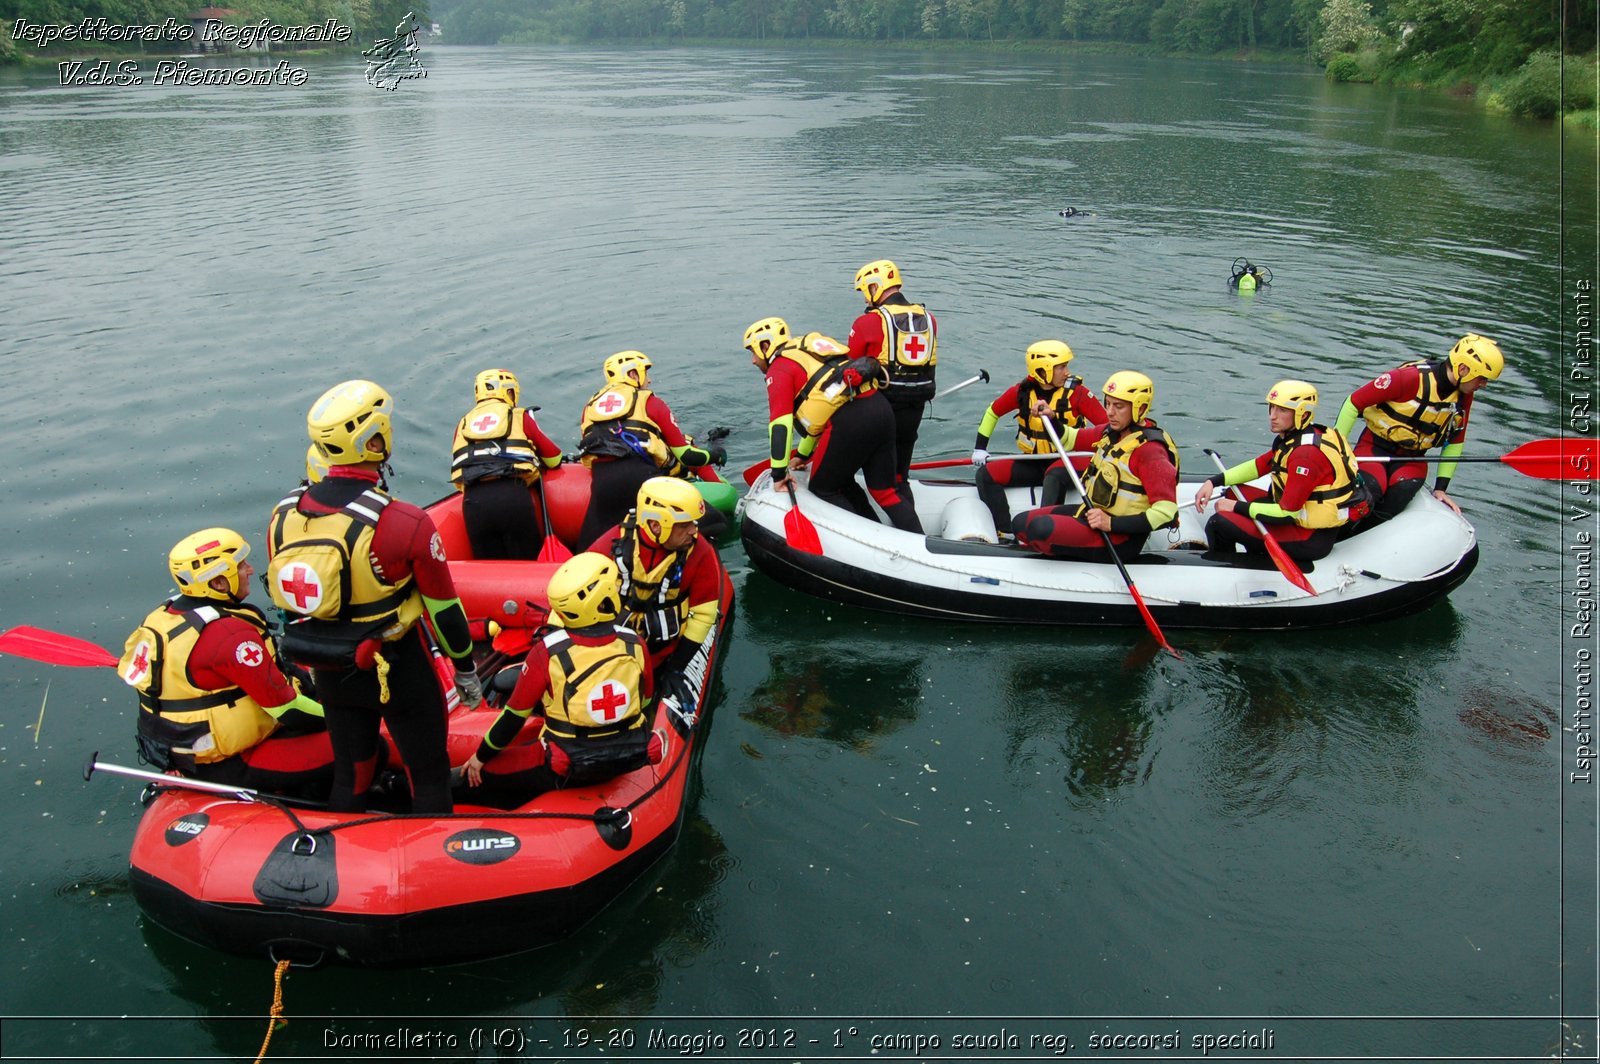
(1494, 36)
(1204, 26)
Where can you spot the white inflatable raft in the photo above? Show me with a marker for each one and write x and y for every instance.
(958, 571)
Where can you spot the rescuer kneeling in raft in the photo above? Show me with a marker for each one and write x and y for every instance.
(1315, 489)
(590, 677)
(671, 591)
(498, 454)
(213, 702)
(1131, 485)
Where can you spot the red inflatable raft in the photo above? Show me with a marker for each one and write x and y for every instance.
(260, 877)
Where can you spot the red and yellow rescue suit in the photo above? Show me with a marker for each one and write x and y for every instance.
(1315, 493)
(1133, 477)
(593, 690)
(904, 337)
(1071, 406)
(628, 436)
(1408, 411)
(671, 598)
(360, 568)
(213, 703)
(499, 450)
(825, 407)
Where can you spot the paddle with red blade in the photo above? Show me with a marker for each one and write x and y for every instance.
(1574, 458)
(1138, 599)
(553, 550)
(1291, 572)
(797, 527)
(54, 648)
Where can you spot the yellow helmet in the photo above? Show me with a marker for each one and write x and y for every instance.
(1297, 396)
(1476, 356)
(496, 384)
(200, 558)
(586, 590)
(1132, 387)
(771, 331)
(1044, 356)
(873, 279)
(619, 365)
(670, 502)
(347, 419)
(316, 465)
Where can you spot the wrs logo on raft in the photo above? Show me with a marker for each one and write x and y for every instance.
(482, 846)
(186, 828)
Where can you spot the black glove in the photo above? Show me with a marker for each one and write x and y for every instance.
(680, 657)
(718, 453)
(682, 691)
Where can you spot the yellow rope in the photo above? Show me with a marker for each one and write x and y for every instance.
(382, 665)
(275, 1017)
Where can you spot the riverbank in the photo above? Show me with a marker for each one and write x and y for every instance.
(1547, 86)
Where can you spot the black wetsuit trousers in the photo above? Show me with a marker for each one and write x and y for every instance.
(415, 714)
(862, 438)
(613, 491)
(502, 518)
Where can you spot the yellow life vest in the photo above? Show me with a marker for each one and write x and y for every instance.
(491, 442)
(594, 692)
(910, 349)
(1031, 436)
(653, 602)
(1110, 482)
(321, 571)
(616, 424)
(181, 725)
(1426, 420)
(825, 361)
(1328, 506)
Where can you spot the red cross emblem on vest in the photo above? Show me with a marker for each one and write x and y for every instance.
(139, 667)
(609, 403)
(609, 702)
(914, 348)
(486, 422)
(250, 655)
(299, 583)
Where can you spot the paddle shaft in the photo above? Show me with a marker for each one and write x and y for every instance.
(1111, 548)
(243, 794)
(982, 375)
(553, 549)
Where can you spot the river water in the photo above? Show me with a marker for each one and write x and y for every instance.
(1359, 844)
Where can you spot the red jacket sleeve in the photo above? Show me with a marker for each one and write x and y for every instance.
(542, 444)
(407, 543)
(1007, 403)
(661, 414)
(700, 583)
(1086, 406)
(785, 378)
(866, 335)
(1152, 464)
(1399, 384)
(231, 653)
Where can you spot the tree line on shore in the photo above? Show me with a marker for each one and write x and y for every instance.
(1446, 43)
(1533, 57)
